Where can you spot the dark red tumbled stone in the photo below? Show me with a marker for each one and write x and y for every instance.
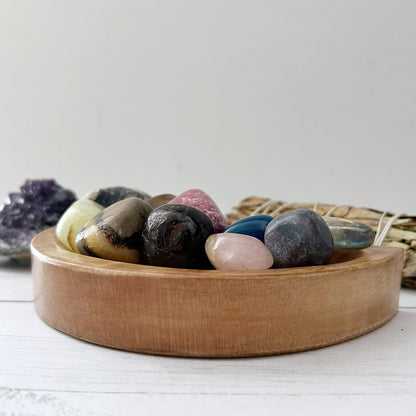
(199, 199)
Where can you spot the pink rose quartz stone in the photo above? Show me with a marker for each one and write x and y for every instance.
(200, 200)
(227, 251)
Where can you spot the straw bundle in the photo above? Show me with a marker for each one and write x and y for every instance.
(392, 230)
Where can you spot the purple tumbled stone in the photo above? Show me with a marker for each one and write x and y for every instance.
(38, 206)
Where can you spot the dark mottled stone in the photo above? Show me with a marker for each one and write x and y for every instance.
(299, 238)
(254, 226)
(115, 232)
(175, 235)
(111, 195)
(38, 206)
(350, 235)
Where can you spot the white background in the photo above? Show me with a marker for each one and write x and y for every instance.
(302, 100)
(296, 100)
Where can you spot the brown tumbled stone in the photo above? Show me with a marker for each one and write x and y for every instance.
(160, 200)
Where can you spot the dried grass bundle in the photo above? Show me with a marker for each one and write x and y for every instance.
(392, 230)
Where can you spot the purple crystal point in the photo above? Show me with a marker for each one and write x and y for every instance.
(38, 206)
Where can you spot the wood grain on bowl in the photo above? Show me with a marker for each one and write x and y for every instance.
(214, 313)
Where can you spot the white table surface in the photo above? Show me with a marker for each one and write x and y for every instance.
(44, 372)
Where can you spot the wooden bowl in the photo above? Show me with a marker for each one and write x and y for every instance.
(214, 313)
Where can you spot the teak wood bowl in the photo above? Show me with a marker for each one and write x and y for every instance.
(214, 313)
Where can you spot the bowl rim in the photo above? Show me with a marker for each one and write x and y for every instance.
(52, 251)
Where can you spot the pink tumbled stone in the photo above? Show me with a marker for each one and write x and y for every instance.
(229, 251)
(199, 199)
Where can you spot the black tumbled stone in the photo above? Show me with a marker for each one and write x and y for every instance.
(108, 196)
(174, 236)
(299, 238)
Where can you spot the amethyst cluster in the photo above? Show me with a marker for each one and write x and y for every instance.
(38, 205)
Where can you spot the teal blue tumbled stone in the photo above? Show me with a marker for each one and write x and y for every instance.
(350, 235)
(254, 226)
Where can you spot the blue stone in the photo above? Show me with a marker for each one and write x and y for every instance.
(254, 226)
(299, 238)
(350, 235)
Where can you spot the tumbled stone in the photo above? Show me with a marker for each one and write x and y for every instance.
(299, 238)
(254, 226)
(39, 205)
(350, 235)
(199, 199)
(111, 195)
(159, 200)
(175, 235)
(232, 251)
(114, 233)
(73, 219)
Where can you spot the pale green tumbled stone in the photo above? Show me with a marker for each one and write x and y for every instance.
(73, 219)
(349, 235)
